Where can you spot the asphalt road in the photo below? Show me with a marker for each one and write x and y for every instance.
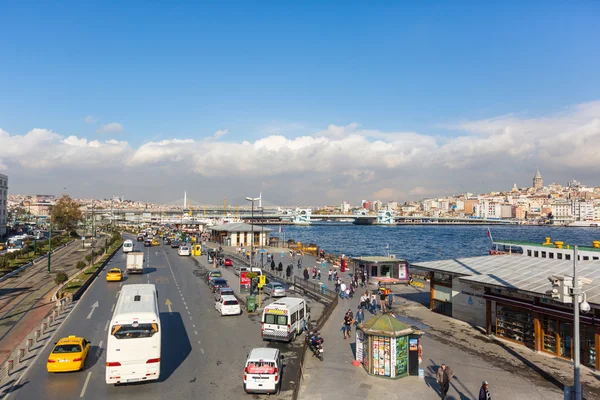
(203, 354)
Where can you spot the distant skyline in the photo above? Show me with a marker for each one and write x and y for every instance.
(308, 103)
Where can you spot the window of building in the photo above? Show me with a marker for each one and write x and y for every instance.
(586, 258)
(543, 254)
(567, 256)
(559, 256)
(515, 324)
(551, 255)
(528, 253)
(536, 253)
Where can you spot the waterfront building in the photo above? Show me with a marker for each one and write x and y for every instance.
(382, 270)
(468, 206)
(538, 182)
(376, 205)
(239, 234)
(506, 295)
(507, 211)
(487, 209)
(345, 207)
(562, 211)
(3, 204)
(392, 205)
(583, 210)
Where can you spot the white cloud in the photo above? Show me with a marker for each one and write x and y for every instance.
(334, 164)
(113, 127)
(220, 132)
(90, 119)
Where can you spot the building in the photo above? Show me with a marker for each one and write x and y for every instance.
(376, 205)
(538, 182)
(562, 211)
(507, 211)
(3, 204)
(239, 234)
(583, 210)
(392, 205)
(345, 207)
(487, 209)
(507, 296)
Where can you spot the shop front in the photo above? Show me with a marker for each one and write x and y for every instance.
(382, 269)
(440, 287)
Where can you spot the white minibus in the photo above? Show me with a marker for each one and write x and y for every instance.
(284, 319)
(133, 344)
(127, 246)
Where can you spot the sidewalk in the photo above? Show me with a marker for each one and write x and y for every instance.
(343, 380)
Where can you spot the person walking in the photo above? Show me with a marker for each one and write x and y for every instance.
(360, 316)
(374, 303)
(337, 287)
(342, 290)
(346, 325)
(272, 265)
(319, 275)
(363, 302)
(390, 297)
(382, 300)
(335, 275)
(299, 263)
(329, 274)
(484, 392)
(444, 377)
(306, 274)
(280, 267)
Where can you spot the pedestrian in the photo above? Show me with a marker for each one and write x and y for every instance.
(299, 263)
(314, 272)
(280, 267)
(484, 392)
(347, 293)
(306, 274)
(329, 274)
(342, 290)
(363, 301)
(335, 275)
(323, 264)
(272, 265)
(282, 254)
(373, 303)
(337, 287)
(346, 324)
(382, 299)
(360, 316)
(319, 275)
(362, 279)
(351, 289)
(444, 376)
(390, 299)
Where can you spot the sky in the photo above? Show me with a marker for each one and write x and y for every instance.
(308, 103)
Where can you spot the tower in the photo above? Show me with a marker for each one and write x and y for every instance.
(538, 182)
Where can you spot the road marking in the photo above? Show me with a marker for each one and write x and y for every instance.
(195, 332)
(168, 304)
(87, 380)
(94, 306)
(99, 349)
(190, 318)
(186, 307)
(201, 349)
(106, 327)
(121, 284)
(112, 308)
(199, 342)
(185, 304)
(193, 325)
(117, 295)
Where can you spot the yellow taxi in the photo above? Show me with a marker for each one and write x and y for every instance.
(114, 275)
(155, 242)
(68, 354)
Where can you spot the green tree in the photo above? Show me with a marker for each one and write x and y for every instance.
(80, 265)
(61, 278)
(66, 214)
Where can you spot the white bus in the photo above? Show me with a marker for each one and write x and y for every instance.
(127, 246)
(284, 319)
(133, 344)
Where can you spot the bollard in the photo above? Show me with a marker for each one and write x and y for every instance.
(21, 354)
(55, 314)
(38, 334)
(44, 326)
(29, 344)
(50, 319)
(10, 365)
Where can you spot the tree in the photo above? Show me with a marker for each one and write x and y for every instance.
(66, 214)
(80, 265)
(61, 278)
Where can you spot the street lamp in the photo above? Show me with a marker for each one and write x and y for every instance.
(50, 240)
(252, 200)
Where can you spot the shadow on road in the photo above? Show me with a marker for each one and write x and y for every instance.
(175, 344)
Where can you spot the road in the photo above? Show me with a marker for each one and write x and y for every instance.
(26, 296)
(202, 353)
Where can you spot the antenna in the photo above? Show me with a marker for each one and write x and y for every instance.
(260, 199)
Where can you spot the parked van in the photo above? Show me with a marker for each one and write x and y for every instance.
(262, 372)
(228, 305)
(127, 246)
(284, 319)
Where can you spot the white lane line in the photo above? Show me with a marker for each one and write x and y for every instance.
(190, 318)
(193, 325)
(117, 295)
(87, 380)
(195, 332)
(112, 308)
(106, 326)
(121, 284)
(189, 312)
(186, 307)
(201, 349)
(199, 342)
(185, 304)
(99, 349)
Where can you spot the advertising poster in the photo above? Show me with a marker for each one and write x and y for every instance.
(244, 280)
(386, 353)
(381, 357)
(401, 355)
(359, 345)
(366, 352)
(375, 355)
(401, 272)
(393, 356)
(413, 344)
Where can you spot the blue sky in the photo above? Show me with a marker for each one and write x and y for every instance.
(164, 70)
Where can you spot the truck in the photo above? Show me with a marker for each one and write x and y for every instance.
(135, 262)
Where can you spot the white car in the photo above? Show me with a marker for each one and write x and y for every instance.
(127, 246)
(183, 251)
(228, 305)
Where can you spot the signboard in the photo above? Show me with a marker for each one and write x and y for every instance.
(402, 271)
(244, 280)
(359, 345)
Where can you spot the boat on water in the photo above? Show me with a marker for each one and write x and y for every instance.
(586, 224)
(556, 250)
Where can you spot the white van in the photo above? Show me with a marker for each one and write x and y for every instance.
(228, 305)
(127, 246)
(262, 372)
(285, 319)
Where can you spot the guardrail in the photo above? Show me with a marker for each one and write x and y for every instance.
(30, 263)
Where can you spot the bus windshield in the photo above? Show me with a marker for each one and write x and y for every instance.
(134, 331)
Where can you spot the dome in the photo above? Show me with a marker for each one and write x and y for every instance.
(385, 325)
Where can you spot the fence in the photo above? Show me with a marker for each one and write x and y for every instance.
(29, 264)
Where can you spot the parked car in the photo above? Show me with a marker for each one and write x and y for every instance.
(183, 251)
(228, 262)
(224, 291)
(213, 273)
(274, 289)
(228, 305)
(217, 283)
(262, 371)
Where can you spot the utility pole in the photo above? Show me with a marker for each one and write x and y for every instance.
(576, 294)
(50, 243)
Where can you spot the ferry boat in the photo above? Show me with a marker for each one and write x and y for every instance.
(557, 250)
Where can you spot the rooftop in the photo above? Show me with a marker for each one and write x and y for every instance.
(238, 227)
(385, 325)
(519, 273)
(549, 246)
(378, 259)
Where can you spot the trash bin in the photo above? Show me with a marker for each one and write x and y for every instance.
(323, 288)
(251, 303)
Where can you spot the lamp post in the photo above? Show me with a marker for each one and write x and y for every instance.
(50, 241)
(252, 200)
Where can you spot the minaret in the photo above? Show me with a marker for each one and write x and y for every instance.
(184, 200)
